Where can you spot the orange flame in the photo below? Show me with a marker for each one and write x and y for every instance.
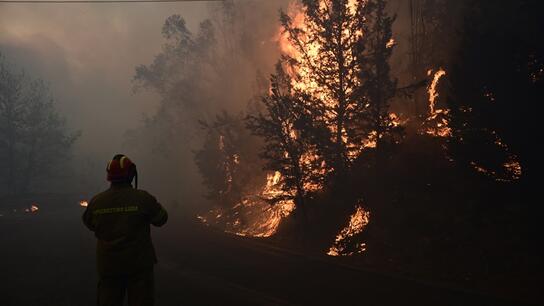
(301, 74)
(265, 224)
(437, 117)
(391, 43)
(357, 222)
(433, 93)
(254, 216)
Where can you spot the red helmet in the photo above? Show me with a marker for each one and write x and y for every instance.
(122, 169)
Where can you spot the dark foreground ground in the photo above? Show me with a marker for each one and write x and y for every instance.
(47, 258)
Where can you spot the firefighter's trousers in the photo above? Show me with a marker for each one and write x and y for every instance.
(138, 287)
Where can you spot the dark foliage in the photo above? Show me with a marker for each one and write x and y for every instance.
(285, 128)
(496, 83)
(33, 136)
(378, 87)
(228, 161)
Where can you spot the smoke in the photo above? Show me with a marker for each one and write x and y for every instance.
(434, 25)
(197, 74)
(88, 54)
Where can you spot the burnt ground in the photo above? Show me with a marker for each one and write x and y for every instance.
(47, 258)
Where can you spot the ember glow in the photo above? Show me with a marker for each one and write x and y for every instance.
(83, 203)
(514, 168)
(511, 168)
(437, 125)
(33, 208)
(357, 222)
(391, 43)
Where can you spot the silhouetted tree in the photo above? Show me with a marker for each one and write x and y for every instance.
(33, 136)
(228, 161)
(176, 72)
(378, 87)
(12, 109)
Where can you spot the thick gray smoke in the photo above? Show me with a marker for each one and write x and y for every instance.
(220, 66)
(89, 53)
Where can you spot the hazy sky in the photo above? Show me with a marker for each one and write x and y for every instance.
(87, 53)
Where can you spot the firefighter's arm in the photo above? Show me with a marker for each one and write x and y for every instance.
(157, 214)
(88, 218)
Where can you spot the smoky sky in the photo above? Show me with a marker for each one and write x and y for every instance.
(87, 53)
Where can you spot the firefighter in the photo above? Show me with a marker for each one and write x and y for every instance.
(120, 218)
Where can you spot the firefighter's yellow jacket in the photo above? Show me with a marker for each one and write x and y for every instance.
(120, 218)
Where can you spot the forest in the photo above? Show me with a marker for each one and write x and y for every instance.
(424, 167)
(397, 136)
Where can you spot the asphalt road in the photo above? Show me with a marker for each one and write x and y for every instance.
(47, 258)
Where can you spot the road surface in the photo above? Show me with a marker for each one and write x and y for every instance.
(47, 258)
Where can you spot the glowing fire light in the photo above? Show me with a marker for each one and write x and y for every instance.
(514, 168)
(33, 208)
(83, 203)
(511, 168)
(270, 217)
(303, 78)
(438, 126)
(433, 93)
(357, 222)
(438, 118)
(254, 216)
(391, 43)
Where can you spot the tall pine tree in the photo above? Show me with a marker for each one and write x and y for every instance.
(378, 87)
(325, 65)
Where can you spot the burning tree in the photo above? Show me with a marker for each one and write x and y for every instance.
(338, 54)
(242, 195)
(323, 44)
(330, 96)
(288, 148)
